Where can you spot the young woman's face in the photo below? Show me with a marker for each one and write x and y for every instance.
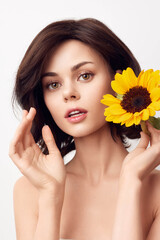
(76, 78)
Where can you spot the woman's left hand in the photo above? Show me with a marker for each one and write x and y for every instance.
(142, 160)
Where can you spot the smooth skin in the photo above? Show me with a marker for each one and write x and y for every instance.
(88, 197)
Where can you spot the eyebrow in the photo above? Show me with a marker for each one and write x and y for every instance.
(74, 68)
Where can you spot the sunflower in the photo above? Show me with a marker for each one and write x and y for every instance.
(137, 98)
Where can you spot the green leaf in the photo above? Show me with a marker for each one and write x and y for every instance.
(119, 96)
(155, 122)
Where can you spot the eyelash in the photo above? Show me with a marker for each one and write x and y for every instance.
(48, 85)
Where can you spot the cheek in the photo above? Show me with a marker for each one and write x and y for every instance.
(52, 105)
(97, 94)
(99, 91)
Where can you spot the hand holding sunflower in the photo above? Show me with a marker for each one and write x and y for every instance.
(141, 161)
(136, 102)
(137, 99)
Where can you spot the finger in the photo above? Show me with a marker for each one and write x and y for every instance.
(144, 140)
(19, 136)
(13, 154)
(19, 149)
(31, 114)
(16, 148)
(24, 114)
(149, 160)
(28, 117)
(27, 136)
(155, 133)
(28, 140)
(151, 128)
(49, 140)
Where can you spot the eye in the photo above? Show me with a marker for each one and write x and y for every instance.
(52, 85)
(86, 76)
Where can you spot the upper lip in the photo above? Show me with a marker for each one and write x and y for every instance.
(74, 109)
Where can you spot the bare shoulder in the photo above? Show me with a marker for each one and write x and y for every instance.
(23, 182)
(25, 198)
(25, 193)
(23, 187)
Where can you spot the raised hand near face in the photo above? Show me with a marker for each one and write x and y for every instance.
(45, 172)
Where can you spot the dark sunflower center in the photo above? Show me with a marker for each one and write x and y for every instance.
(136, 99)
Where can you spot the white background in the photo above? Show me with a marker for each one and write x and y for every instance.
(135, 22)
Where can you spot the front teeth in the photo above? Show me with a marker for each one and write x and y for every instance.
(73, 112)
(77, 115)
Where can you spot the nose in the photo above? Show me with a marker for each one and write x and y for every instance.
(70, 93)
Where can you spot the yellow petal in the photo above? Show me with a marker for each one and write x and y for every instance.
(130, 77)
(154, 80)
(145, 114)
(137, 113)
(139, 76)
(137, 120)
(143, 79)
(117, 87)
(109, 118)
(130, 122)
(116, 119)
(115, 109)
(109, 100)
(122, 81)
(155, 105)
(123, 123)
(155, 94)
(152, 112)
(123, 117)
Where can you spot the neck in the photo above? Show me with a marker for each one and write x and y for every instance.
(98, 156)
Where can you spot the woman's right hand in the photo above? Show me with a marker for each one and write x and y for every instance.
(45, 172)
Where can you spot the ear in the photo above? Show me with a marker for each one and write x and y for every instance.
(119, 71)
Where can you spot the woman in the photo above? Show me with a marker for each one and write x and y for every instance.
(103, 192)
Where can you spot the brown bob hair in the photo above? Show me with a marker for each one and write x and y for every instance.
(28, 87)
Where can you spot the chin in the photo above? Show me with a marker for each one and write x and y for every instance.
(78, 133)
(82, 131)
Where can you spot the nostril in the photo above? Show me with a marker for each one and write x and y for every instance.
(70, 97)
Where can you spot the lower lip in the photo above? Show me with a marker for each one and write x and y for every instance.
(77, 118)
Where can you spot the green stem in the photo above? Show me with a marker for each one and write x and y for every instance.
(144, 128)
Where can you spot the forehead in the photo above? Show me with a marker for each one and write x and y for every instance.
(70, 53)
